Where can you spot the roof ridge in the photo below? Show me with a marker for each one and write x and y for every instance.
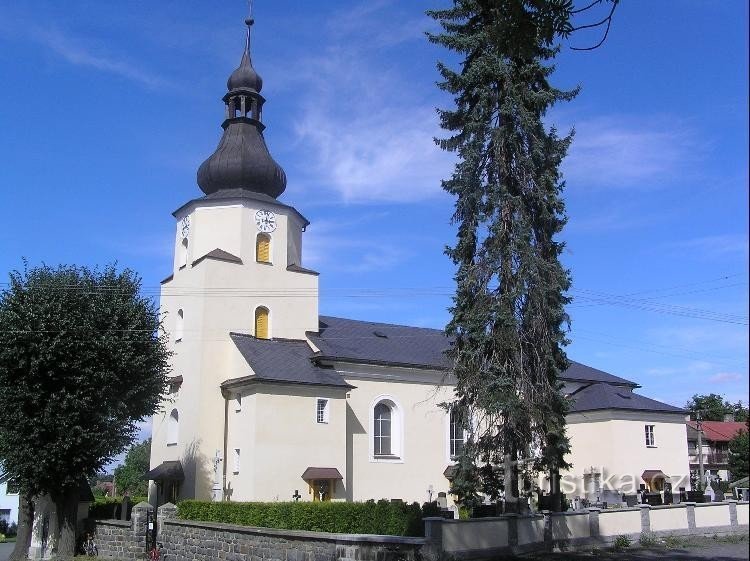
(384, 323)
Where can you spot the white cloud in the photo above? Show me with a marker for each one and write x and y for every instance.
(619, 152)
(712, 246)
(74, 52)
(725, 377)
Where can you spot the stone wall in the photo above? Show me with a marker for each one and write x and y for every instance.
(120, 539)
(204, 541)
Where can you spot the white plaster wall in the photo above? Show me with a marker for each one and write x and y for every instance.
(618, 522)
(423, 454)
(711, 515)
(9, 502)
(279, 430)
(668, 518)
(614, 443)
(530, 530)
(570, 526)
(473, 534)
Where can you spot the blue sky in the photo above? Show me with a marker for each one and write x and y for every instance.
(108, 109)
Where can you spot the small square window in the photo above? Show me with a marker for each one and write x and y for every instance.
(321, 410)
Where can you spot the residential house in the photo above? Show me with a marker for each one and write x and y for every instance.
(715, 449)
(271, 401)
(8, 500)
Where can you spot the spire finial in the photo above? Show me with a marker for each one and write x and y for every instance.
(249, 21)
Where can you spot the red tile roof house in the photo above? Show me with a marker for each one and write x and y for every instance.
(716, 437)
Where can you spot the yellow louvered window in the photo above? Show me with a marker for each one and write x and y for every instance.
(263, 248)
(261, 323)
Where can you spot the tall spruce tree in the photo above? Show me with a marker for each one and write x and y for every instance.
(508, 316)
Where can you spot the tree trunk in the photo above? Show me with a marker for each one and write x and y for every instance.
(555, 501)
(510, 481)
(25, 526)
(67, 517)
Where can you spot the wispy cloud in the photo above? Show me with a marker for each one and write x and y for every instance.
(330, 245)
(725, 377)
(620, 151)
(723, 245)
(74, 51)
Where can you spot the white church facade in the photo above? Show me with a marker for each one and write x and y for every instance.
(270, 401)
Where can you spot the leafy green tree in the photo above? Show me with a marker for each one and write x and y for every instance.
(508, 316)
(129, 475)
(739, 455)
(82, 361)
(713, 407)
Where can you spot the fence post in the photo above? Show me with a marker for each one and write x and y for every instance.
(594, 522)
(645, 518)
(690, 515)
(733, 513)
(433, 531)
(138, 520)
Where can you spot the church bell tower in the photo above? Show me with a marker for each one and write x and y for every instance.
(237, 269)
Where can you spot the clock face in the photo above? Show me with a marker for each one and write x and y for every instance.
(185, 226)
(266, 220)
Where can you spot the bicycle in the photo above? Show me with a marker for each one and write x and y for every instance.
(155, 553)
(88, 546)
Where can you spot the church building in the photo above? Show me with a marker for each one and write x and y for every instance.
(270, 401)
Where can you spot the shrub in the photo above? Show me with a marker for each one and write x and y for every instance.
(382, 517)
(622, 542)
(648, 539)
(107, 508)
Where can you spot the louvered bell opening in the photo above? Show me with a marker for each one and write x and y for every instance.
(261, 323)
(263, 248)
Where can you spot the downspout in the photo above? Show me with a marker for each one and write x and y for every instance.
(224, 457)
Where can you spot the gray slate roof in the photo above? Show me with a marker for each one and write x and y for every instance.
(606, 396)
(282, 360)
(401, 345)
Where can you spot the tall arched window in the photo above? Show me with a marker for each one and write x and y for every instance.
(456, 433)
(179, 327)
(263, 248)
(183, 253)
(261, 322)
(382, 430)
(173, 427)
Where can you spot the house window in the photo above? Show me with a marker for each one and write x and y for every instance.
(5, 515)
(236, 468)
(650, 442)
(456, 434)
(383, 426)
(263, 248)
(183, 253)
(173, 427)
(261, 322)
(321, 410)
(179, 327)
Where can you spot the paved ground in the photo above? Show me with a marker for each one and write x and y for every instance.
(5, 549)
(721, 549)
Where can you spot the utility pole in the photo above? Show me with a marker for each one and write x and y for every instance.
(701, 471)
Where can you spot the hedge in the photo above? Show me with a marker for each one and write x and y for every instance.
(108, 508)
(382, 517)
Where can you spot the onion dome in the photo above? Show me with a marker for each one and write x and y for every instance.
(242, 160)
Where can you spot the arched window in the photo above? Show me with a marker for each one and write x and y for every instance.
(383, 430)
(179, 327)
(173, 427)
(261, 322)
(183, 253)
(387, 430)
(263, 248)
(455, 434)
